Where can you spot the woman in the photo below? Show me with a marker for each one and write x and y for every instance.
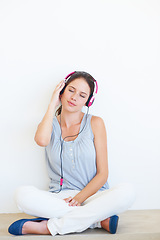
(76, 155)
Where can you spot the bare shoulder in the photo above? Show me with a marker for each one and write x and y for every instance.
(97, 124)
(95, 120)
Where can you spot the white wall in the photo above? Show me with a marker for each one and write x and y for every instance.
(118, 43)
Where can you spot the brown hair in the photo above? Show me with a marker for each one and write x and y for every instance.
(78, 74)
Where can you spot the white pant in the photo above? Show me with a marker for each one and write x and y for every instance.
(65, 219)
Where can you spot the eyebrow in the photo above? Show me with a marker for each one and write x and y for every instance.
(81, 92)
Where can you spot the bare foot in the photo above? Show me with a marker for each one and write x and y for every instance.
(105, 224)
(33, 227)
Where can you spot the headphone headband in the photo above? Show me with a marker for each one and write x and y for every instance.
(69, 75)
(92, 96)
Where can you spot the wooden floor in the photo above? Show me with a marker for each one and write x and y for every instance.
(133, 225)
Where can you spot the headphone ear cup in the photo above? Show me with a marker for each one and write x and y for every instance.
(88, 103)
(92, 96)
(91, 101)
(62, 91)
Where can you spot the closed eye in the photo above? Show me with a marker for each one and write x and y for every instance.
(72, 89)
(82, 96)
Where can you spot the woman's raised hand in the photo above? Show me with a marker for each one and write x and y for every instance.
(44, 129)
(55, 96)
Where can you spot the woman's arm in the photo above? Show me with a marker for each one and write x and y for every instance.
(100, 141)
(44, 129)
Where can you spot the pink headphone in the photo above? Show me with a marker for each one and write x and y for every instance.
(92, 96)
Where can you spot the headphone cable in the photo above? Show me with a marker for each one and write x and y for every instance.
(62, 141)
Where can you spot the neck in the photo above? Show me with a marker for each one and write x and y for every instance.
(70, 119)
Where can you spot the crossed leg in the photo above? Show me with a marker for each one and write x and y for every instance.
(65, 219)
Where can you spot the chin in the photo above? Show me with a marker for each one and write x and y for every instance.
(72, 109)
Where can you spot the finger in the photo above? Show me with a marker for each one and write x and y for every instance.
(62, 83)
(69, 199)
(59, 85)
(62, 86)
(71, 203)
(75, 204)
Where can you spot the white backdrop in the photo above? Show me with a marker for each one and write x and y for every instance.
(117, 42)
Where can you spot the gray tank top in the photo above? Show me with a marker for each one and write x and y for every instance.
(79, 158)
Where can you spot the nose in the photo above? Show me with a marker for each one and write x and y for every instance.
(73, 97)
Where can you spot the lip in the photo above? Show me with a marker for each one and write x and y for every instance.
(71, 104)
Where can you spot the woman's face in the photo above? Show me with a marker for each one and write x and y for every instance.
(75, 95)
